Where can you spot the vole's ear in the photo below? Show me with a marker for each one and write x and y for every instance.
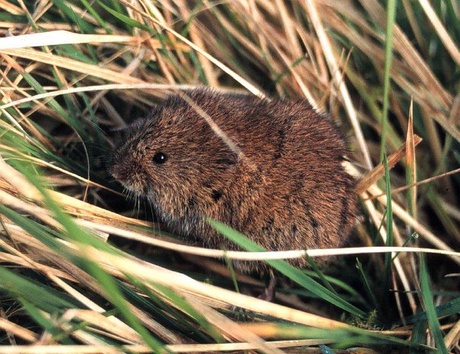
(123, 132)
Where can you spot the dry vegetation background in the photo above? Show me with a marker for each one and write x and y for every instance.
(91, 67)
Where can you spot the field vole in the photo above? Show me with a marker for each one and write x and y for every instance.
(285, 188)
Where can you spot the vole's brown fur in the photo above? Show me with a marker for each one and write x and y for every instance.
(287, 190)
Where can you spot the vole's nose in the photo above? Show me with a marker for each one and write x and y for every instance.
(118, 171)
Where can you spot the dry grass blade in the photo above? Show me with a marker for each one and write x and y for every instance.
(70, 64)
(18, 331)
(441, 31)
(373, 176)
(411, 163)
(334, 69)
(61, 37)
(453, 336)
(232, 329)
(73, 206)
(183, 283)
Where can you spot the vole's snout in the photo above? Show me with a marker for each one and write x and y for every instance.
(121, 164)
(117, 172)
(131, 174)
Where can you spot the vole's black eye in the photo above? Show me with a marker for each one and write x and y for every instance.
(159, 158)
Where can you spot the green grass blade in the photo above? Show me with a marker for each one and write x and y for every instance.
(367, 285)
(37, 315)
(320, 274)
(427, 297)
(84, 26)
(389, 228)
(449, 308)
(48, 299)
(184, 307)
(391, 15)
(113, 293)
(418, 335)
(125, 19)
(288, 270)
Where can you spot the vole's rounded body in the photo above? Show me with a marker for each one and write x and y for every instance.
(286, 190)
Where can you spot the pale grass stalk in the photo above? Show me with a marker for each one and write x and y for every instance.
(60, 37)
(224, 347)
(73, 274)
(85, 337)
(450, 209)
(252, 9)
(133, 11)
(45, 26)
(441, 31)
(42, 163)
(181, 283)
(72, 205)
(413, 23)
(336, 74)
(14, 329)
(229, 328)
(19, 236)
(66, 349)
(417, 67)
(153, 10)
(80, 13)
(215, 128)
(174, 348)
(303, 87)
(72, 64)
(111, 324)
(11, 8)
(92, 88)
(378, 194)
(408, 219)
(30, 208)
(289, 28)
(447, 125)
(377, 219)
(246, 84)
(397, 295)
(453, 337)
(400, 270)
(411, 161)
(406, 285)
(21, 261)
(198, 40)
(40, 9)
(242, 255)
